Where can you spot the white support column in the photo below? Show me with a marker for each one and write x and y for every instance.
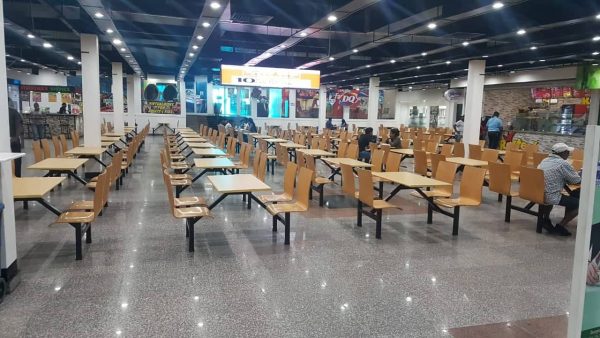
(292, 108)
(210, 109)
(474, 102)
(183, 105)
(90, 78)
(8, 238)
(117, 93)
(594, 107)
(137, 99)
(373, 104)
(130, 100)
(322, 107)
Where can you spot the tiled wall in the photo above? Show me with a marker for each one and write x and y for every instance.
(506, 101)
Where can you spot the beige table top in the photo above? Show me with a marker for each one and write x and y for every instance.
(259, 136)
(408, 152)
(348, 161)
(194, 139)
(410, 180)
(213, 163)
(316, 152)
(189, 133)
(292, 145)
(106, 143)
(276, 140)
(34, 187)
(200, 145)
(185, 129)
(113, 134)
(467, 161)
(85, 151)
(59, 164)
(208, 152)
(109, 138)
(237, 183)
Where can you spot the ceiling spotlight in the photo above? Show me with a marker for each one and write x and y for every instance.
(99, 15)
(432, 25)
(195, 47)
(418, 67)
(485, 56)
(205, 24)
(122, 49)
(448, 62)
(497, 5)
(410, 87)
(47, 45)
(22, 60)
(331, 58)
(595, 53)
(215, 5)
(355, 50)
(596, 38)
(109, 31)
(521, 32)
(533, 47)
(117, 42)
(465, 43)
(423, 54)
(267, 54)
(392, 61)
(332, 18)
(31, 36)
(79, 62)
(303, 34)
(191, 54)
(283, 46)
(500, 66)
(199, 37)
(598, 16)
(69, 57)
(368, 66)
(542, 60)
(127, 56)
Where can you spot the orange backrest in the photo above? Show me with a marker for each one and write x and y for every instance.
(577, 154)
(289, 178)
(420, 162)
(405, 143)
(393, 162)
(56, 144)
(63, 143)
(458, 149)
(446, 150)
(302, 192)
(352, 151)
(435, 160)
(538, 158)
(577, 164)
(431, 147)
(262, 166)
(46, 148)
(377, 160)
(342, 149)
(446, 172)
(472, 187)
(99, 193)
(500, 181)
(532, 185)
(513, 158)
(38, 155)
(256, 162)
(489, 155)
(348, 184)
(365, 187)
(475, 151)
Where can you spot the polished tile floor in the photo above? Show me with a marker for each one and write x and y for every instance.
(334, 280)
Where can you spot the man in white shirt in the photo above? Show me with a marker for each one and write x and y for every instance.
(459, 126)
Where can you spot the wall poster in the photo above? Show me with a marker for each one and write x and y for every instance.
(161, 98)
(307, 103)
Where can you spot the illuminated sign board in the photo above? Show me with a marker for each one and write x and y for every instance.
(270, 77)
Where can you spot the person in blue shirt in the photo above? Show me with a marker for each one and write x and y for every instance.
(494, 127)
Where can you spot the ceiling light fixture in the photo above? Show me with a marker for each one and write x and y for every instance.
(465, 43)
(448, 62)
(332, 18)
(69, 57)
(500, 66)
(303, 34)
(195, 47)
(368, 66)
(542, 60)
(485, 56)
(331, 58)
(595, 53)
(598, 16)
(497, 5)
(79, 62)
(267, 54)
(191, 54)
(199, 37)
(47, 45)
(22, 60)
(418, 67)
(432, 25)
(392, 61)
(521, 32)
(117, 42)
(215, 5)
(355, 50)
(31, 36)
(205, 24)
(99, 15)
(109, 31)
(122, 49)
(423, 54)
(533, 47)
(596, 38)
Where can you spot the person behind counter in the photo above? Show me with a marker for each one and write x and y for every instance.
(37, 122)
(15, 126)
(63, 109)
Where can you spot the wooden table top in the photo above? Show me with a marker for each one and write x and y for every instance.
(410, 180)
(276, 140)
(200, 145)
(194, 140)
(189, 133)
(105, 144)
(317, 152)
(85, 151)
(237, 183)
(348, 161)
(467, 161)
(259, 136)
(213, 163)
(114, 134)
(208, 152)
(292, 145)
(59, 164)
(408, 152)
(109, 138)
(185, 129)
(34, 187)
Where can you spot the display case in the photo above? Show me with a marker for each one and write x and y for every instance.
(569, 119)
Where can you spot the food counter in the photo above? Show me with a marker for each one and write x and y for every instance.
(56, 124)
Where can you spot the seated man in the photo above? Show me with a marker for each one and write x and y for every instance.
(364, 152)
(557, 174)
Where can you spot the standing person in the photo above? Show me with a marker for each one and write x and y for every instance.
(459, 127)
(557, 174)
(15, 126)
(394, 139)
(228, 127)
(494, 128)
(344, 125)
(363, 144)
(329, 124)
(37, 122)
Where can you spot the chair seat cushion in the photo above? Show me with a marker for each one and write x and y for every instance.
(76, 217)
(81, 205)
(189, 201)
(191, 212)
(275, 198)
(275, 209)
(322, 180)
(381, 204)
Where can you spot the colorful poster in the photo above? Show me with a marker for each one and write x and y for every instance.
(360, 108)
(357, 101)
(163, 108)
(567, 92)
(307, 103)
(106, 102)
(52, 97)
(160, 98)
(37, 97)
(66, 98)
(557, 92)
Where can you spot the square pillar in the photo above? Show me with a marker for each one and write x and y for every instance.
(474, 102)
(117, 93)
(130, 100)
(90, 79)
(322, 107)
(373, 104)
(182, 104)
(137, 97)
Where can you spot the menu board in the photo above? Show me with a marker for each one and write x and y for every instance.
(558, 93)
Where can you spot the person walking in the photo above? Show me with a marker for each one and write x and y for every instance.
(37, 122)
(494, 127)
(15, 126)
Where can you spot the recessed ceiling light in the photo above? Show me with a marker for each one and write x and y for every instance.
(205, 24)
(267, 54)
(31, 36)
(598, 16)
(533, 47)
(127, 56)
(303, 34)
(191, 54)
(331, 58)
(368, 66)
(199, 37)
(418, 67)
(122, 49)
(485, 56)
(448, 62)
(109, 31)
(99, 15)
(69, 57)
(497, 5)
(195, 47)
(22, 60)
(595, 53)
(423, 54)
(594, 64)
(47, 45)
(432, 25)
(117, 42)
(355, 50)
(465, 43)
(79, 62)
(215, 5)
(521, 32)
(332, 18)
(283, 46)
(596, 38)
(542, 60)
(500, 66)
(392, 61)
(410, 87)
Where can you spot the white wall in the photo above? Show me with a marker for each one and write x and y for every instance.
(45, 78)
(523, 77)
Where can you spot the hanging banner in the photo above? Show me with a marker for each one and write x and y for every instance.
(270, 77)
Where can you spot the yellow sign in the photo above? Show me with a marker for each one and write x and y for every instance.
(270, 77)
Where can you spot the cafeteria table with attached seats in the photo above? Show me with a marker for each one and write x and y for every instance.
(239, 184)
(34, 189)
(58, 166)
(88, 152)
(406, 180)
(220, 164)
(334, 164)
(463, 161)
(316, 153)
